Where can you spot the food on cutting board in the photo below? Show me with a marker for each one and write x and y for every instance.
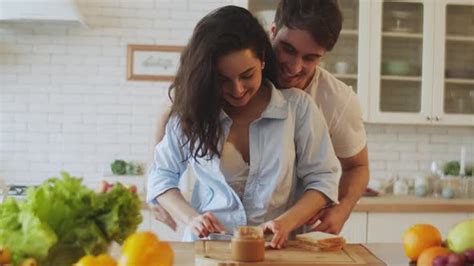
(62, 220)
(324, 241)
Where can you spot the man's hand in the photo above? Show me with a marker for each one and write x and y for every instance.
(163, 216)
(280, 231)
(332, 219)
(204, 224)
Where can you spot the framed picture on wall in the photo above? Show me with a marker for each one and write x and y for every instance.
(152, 62)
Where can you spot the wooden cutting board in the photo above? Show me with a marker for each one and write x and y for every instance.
(217, 253)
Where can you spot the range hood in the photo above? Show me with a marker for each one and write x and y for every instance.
(57, 11)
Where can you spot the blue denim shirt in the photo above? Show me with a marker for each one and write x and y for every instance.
(290, 152)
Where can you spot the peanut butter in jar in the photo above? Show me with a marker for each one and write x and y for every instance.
(248, 244)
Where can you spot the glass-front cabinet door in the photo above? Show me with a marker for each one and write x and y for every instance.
(344, 61)
(401, 61)
(454, 62)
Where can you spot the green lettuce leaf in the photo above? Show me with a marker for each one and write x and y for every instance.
(119, 213)
(23, 232)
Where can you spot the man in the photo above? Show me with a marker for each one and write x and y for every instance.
(302, 33)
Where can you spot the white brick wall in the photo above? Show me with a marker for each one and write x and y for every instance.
(408, 150)
(66, 104)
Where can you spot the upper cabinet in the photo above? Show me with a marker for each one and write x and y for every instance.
(453, 100)
(410, 61)
(348, 59)
(401, 61)
(422, 62)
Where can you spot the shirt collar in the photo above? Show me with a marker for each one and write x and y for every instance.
(276, 108)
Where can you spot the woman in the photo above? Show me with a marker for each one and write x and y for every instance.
(250, 145)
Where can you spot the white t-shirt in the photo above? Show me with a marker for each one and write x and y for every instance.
(341, 109)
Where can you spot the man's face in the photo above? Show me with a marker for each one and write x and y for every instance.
(297, 56)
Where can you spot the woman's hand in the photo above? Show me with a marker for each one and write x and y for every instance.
(280, 231)
(204, 224)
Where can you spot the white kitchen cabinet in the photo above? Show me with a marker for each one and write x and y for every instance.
(389, 227)
(422, 62)
(453, 97)
(355, 229)
(348, 59)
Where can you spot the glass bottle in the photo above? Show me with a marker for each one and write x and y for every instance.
(434, 180)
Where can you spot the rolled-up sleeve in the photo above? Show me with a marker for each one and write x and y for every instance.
(317, 166)
(168, 164)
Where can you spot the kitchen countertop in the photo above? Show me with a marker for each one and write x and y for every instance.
(390, 203)
(389, 253)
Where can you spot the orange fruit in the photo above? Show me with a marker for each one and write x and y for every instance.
(101, 260)
(428, 255)
(5, 255)
(419, 237)
(145, 249)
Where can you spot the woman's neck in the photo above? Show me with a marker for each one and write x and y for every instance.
(254, 108)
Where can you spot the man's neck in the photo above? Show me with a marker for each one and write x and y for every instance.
(310, 79)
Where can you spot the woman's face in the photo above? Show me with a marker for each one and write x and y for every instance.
(240, 75)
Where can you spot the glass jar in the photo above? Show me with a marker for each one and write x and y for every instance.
(450, 187)
(400, 187)
(421, 186)
(248, 244)
(467, 187)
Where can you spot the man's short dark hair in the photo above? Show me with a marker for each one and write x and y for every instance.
(321, 18)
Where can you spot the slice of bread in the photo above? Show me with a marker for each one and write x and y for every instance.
(324, 241)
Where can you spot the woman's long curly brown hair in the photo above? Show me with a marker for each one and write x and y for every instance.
(197, 99)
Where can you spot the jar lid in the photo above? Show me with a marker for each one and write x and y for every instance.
(248, 232)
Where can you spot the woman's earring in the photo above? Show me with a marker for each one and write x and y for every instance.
(263, 65)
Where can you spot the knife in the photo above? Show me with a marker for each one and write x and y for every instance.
(220, 237)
